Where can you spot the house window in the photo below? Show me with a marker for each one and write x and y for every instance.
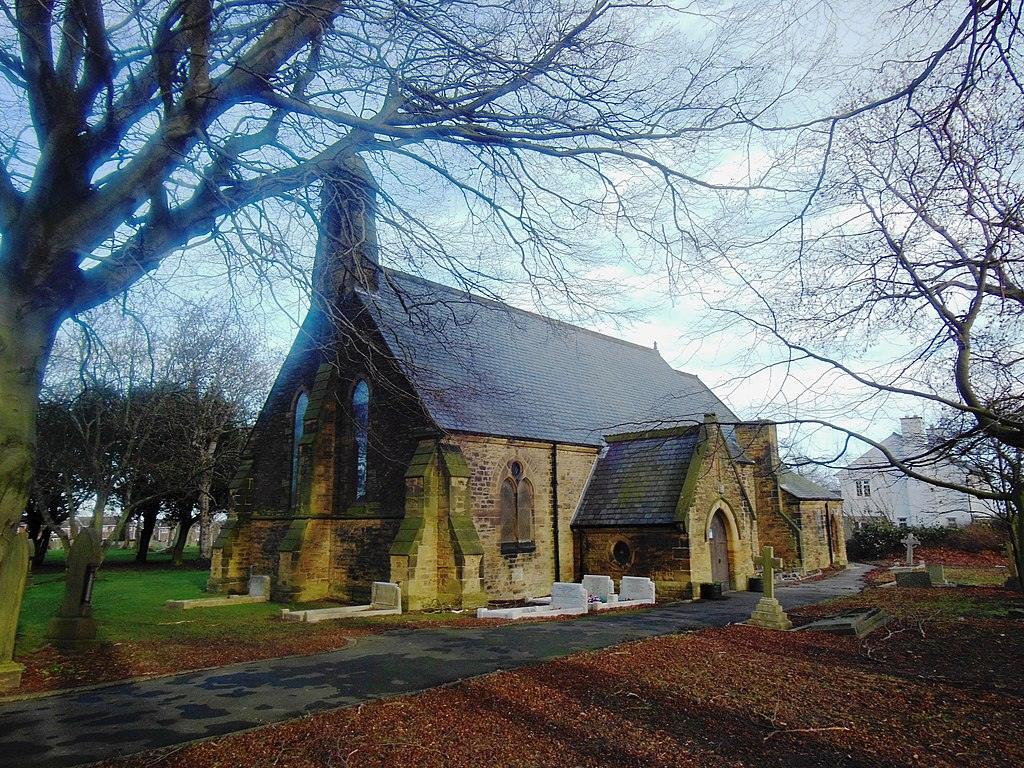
(298, 426)
(863, 487)
(516, 512)
(361, 420)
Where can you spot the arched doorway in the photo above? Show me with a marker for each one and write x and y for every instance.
(718, 545)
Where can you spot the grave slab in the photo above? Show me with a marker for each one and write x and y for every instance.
(385, 600)
(567, 599)
(259, 592)
(857, 623)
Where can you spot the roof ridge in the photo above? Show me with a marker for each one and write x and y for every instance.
(527, 312)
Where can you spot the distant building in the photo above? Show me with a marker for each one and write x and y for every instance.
(872, 490)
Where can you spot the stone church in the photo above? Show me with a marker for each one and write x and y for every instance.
(471, 451)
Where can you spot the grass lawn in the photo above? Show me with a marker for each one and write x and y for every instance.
(56, 558)
(939, 686)
(139, 637)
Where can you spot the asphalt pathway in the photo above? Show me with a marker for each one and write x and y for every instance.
(119, 719)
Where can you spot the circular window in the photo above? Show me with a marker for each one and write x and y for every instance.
(621, 553)
(516, 469)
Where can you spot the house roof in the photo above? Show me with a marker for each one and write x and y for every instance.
(638, 481)
(804, 488)
(900, 446)
(481, 366)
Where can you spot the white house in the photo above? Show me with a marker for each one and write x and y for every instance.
(873, 490)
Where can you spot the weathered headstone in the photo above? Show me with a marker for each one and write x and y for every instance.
(13, 572)
(913, 579)
(910, 541)
(601, 587)
(385, 596)
(566, 596)
(769, 613)
(259, 586)
(636, 589)
(74, 625)
(936, 574)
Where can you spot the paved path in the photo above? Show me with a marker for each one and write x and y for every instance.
(76, 728)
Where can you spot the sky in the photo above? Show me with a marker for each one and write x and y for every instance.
(644, 306)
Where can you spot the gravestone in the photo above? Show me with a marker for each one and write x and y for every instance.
(637, 589)
(259, 586)
(910, 541)
(385, 596)
(13, 572)
(566, 596)
(601, 587)
(74, 625)
(913, 579)
(937, 574)
(769, 613)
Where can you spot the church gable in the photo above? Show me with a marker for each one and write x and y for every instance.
(639, 480)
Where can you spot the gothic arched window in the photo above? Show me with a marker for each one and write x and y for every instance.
(298, 425)
(516, 504)
(361, 420)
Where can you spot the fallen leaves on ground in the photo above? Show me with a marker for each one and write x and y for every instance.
(939, 686)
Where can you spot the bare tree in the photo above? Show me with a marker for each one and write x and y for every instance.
(904, 281)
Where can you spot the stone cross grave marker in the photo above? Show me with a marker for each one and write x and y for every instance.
(74, 624)
(910, 541)
(768, 562)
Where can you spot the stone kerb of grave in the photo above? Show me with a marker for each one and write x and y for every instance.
(567, 599)
(768, 613)
(385, 600)
(601, 591)
(259, 592)
(74, 625)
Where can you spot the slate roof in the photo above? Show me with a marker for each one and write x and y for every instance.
(483, 367)
(804, 488)
(638, 481)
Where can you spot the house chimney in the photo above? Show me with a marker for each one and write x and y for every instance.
(346, 251)
(912, 426)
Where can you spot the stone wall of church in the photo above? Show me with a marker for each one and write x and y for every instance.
(720, 486)
(816, 517)
(775, 528)
(678, 558)
(660, 553)
(524, 574)
(359, 556)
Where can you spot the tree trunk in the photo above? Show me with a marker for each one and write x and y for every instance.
(177, 554)
(149, 513)
(205, 498)
(42, 546)
(26, 338)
